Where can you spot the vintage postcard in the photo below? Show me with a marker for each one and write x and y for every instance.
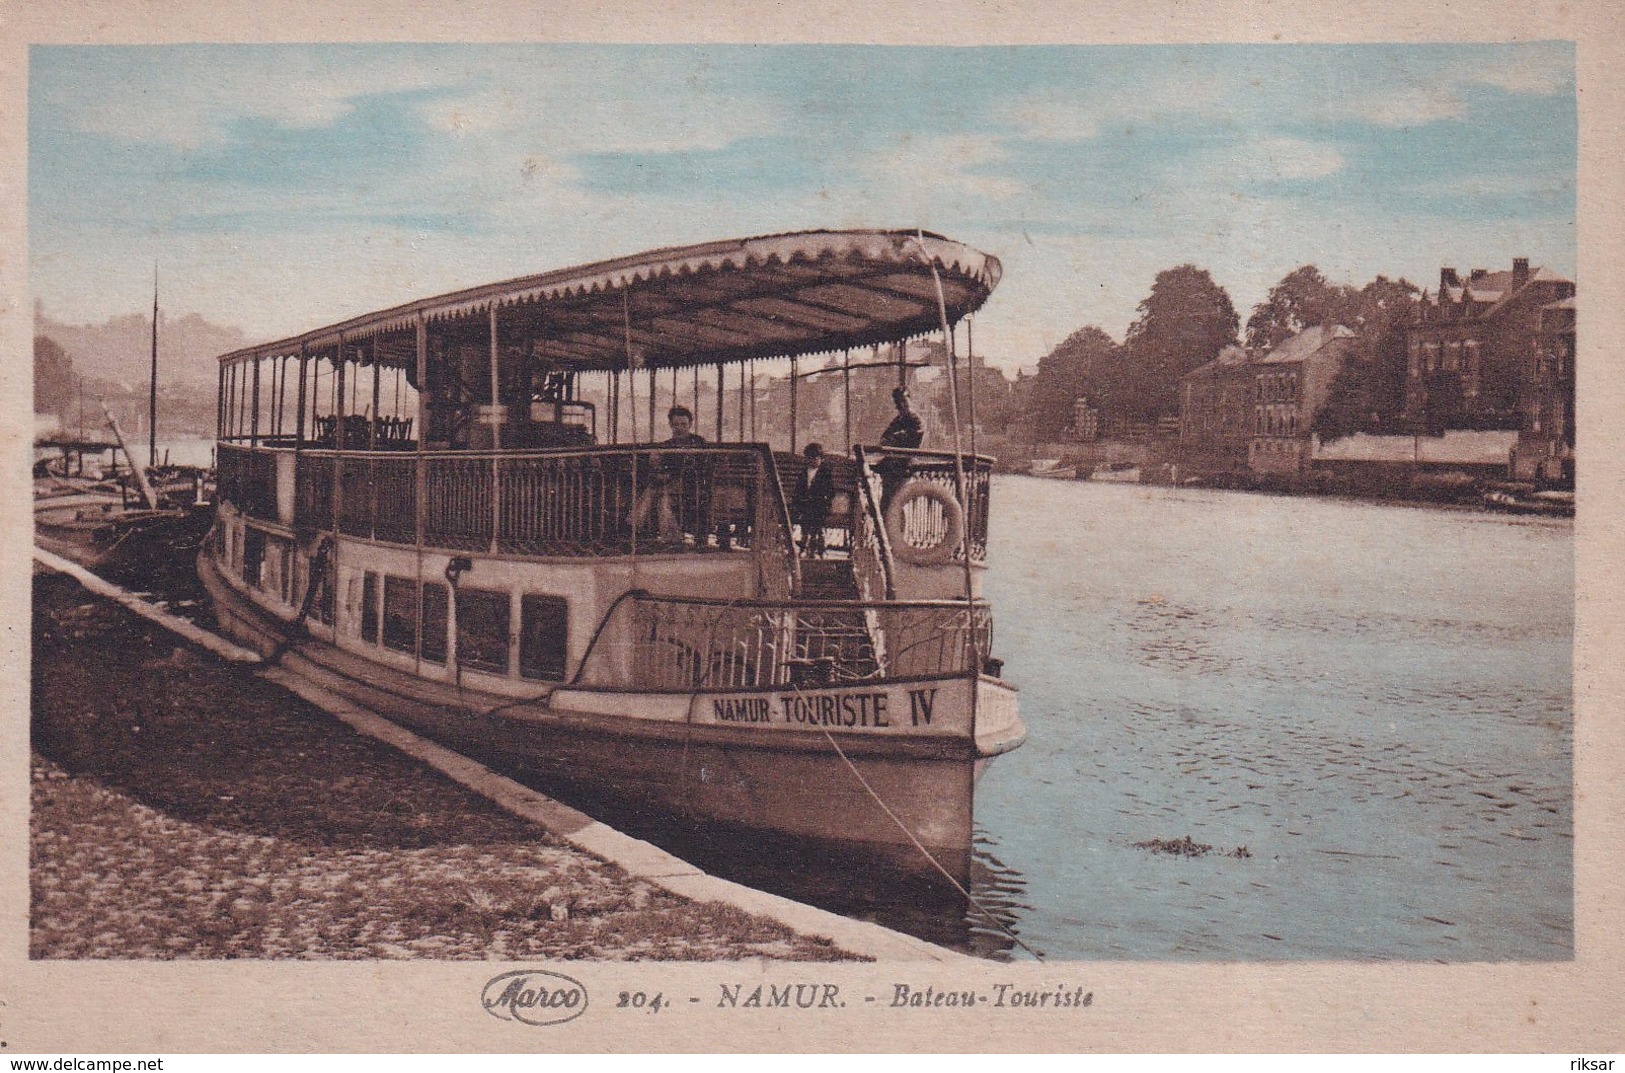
(1036, 529)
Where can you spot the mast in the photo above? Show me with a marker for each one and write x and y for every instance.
(152, 391)
(147, 495)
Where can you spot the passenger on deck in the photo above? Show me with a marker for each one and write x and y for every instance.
(905, 431)
(685, 479)
(681, 419)
(815, 493)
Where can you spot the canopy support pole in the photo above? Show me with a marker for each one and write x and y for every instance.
(631, 361)
(496, 388)
(846, 398)
(254, 417)
(299, 404)
(794, 379)
(497, 417)
(242, 401)
(420, 471)
(377, 374)
(340, 372)
(959, 472)
(970, 364)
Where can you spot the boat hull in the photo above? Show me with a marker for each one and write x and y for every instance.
(891, 790)
(101, 534)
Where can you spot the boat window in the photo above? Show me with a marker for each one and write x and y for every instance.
(369, 607)
(400, 613)
(482, 630)
(543, 636)
(253, 555)
(433, 643)
(285, 559)
(322, 604)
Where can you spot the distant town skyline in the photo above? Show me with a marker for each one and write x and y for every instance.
(279, 187)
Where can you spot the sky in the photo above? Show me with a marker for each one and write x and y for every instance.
(282, 187)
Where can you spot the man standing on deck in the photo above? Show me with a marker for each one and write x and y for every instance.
(815, 493)
(684, 477)
(906, 431)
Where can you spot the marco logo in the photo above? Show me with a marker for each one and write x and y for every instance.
(534, 997)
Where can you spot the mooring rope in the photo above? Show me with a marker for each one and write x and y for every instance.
(968, 896)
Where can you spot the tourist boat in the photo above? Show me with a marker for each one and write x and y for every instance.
(452, 510)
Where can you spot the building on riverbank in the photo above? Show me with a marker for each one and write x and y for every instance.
(1495, 351)
(1291, 384)
(1246, 417)
(1216, 416)
(1453, 466)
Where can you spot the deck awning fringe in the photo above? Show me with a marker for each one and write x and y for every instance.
(748, 299)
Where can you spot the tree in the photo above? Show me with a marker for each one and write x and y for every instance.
(1368, 395)
(1183, 323)
(1302, 299)
(1075, 369)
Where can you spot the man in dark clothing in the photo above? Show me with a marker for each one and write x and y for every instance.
(815, 492)
(906, 431)
(681, 419)
(686, 478)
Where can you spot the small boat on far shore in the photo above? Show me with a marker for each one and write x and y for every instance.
(1052, 468)
(1554, 504)
(108, 517)
(1118, 472)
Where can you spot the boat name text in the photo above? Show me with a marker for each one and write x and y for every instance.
(846, 710)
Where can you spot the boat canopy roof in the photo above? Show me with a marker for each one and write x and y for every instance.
(772, 296)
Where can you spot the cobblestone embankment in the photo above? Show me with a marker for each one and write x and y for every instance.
(184, 808)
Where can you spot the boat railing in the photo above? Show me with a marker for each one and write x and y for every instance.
(594, 502)
(888, 469)
(660, 643)
(871, 554)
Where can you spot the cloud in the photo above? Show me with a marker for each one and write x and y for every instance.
(1048, 116)
(190, 98)
(1055, 120)
(1539, 71)
(1409, 106)
(1437, 94)
(1251, 162)
(946, 164)
(1292, 159)
(566, 119)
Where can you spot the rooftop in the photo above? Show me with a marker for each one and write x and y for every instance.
(1305, 343)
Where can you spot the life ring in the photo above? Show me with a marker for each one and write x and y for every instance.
(953, 517)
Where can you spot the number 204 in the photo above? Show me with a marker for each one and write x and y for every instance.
(641, 1000)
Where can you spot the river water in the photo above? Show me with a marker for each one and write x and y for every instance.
(1364, 709)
